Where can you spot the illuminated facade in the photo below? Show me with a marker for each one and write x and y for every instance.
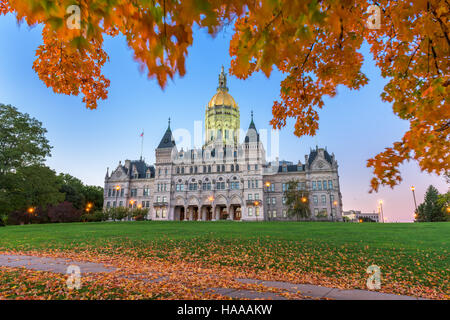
(224, 179)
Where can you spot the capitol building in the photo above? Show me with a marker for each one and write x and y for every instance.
(225, 179)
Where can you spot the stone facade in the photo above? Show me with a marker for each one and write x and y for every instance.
(356, 216)
(223, 179)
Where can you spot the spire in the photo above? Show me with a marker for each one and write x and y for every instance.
(252, 124)
(167, 140)
(223, 81)
(252, 133)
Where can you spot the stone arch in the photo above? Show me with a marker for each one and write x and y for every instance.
(193, 201)
(180, 201)
(221, 199)
(236, 199)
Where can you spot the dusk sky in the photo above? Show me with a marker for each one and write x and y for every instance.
(355, 125)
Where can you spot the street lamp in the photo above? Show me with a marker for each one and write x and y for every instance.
(381, 210)
(117, 193)
(414, 196)
(30, 210)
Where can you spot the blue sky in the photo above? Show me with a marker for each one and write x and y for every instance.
(355, 125)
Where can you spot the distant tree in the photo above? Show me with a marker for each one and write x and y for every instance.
(22, 141)
(444, 203)
(296, 201)
(447, 176)
(32, 186)
(79, 194)
(431, 209)
(73, 189)
(93, 195)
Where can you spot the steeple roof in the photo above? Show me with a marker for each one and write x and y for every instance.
(252, 132)
(167, 140)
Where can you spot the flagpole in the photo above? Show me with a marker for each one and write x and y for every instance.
(142, 144)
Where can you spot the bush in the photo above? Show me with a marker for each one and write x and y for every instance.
(95, 216)
(139, 214)
(24, 217)
(117, 214)
(64, 212)
(3, 220)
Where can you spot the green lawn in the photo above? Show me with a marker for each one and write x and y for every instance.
(408, 254)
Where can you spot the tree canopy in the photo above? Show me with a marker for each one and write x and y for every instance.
(297, 201)
(434, 206)
(316, 44)
(22, 140)
(29, 190)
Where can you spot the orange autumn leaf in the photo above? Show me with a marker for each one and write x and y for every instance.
(315, 44)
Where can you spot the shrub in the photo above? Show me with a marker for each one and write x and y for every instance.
(24, 217)
(139, 214)
(3, 220)
(64, 212)
(117, 214)
(95, 216)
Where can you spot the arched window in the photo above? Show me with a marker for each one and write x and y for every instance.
(209, 169)
(223, 168)
(237, 167)
(232, 167)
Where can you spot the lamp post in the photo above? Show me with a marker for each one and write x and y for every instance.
(414, 196)
(256, 205)
(381, 210)
(117, 194)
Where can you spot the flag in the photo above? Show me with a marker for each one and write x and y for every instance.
(142, 134)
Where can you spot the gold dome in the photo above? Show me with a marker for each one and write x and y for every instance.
(222, 98)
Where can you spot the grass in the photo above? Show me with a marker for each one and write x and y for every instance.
(413, 258)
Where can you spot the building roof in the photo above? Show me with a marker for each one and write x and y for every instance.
(167, 140)
(252, 133)
(141, 168)
(313, 154)
(292, 168)
(222, 97)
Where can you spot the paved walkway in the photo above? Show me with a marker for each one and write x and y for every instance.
(59, 265)
(56, 265)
